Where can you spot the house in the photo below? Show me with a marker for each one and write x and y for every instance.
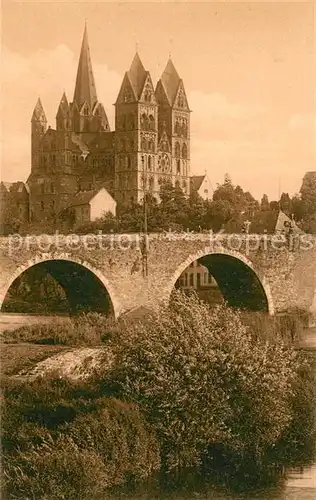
(196, 277)
(88, 206)
(202, 185)
(263, 221)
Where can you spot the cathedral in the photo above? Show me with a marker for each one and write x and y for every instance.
(149, 146)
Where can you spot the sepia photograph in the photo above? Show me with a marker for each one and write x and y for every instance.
(158, 250)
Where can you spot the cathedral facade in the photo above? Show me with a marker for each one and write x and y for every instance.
(150, 144)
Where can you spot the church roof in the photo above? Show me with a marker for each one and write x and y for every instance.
(170, 80)
(82, 198)
(196, 181)
(137, 75)
(85, 89)
(38, 112)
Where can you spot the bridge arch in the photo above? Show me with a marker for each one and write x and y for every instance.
(239, 282)
(75, 276)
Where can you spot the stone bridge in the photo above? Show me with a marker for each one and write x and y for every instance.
(124, 272)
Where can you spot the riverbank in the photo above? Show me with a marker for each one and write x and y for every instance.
(192, 388)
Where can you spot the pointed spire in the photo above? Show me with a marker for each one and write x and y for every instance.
(85, 90)
(137, 75)
(170, 80)
(63, 107)
(39, 113)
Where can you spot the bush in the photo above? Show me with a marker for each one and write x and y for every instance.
(62, 440)
(87, 329)
(203, 380)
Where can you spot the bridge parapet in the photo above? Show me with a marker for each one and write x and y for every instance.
(285, 266)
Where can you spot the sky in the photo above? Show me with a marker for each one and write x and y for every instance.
(248, 69)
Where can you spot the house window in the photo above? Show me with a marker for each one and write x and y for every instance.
(192, 279)
(185, 279)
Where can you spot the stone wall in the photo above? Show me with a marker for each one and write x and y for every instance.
(287, 276)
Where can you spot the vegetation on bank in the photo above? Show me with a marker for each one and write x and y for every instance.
(178, 212)
(190, 388)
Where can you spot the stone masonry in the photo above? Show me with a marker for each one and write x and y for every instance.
(259, 272)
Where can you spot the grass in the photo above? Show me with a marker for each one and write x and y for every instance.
(17, 357)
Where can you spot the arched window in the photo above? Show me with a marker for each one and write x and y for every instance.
(151, 122)
(86, 111)
(151, 183)
(184, 128)
(177, 150)
(178, 167)
(147, 95)
(184, 151)
(128, 162)
(177, 127)
(144, 122)
(151, 146)
(149, 162)
(144, 144)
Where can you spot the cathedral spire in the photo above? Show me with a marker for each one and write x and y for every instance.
(171, 81)
(38, 112)
(85, 90)
(137, 75)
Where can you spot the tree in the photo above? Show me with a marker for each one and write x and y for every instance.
(264, 204)
(308, 193)
(285, 203)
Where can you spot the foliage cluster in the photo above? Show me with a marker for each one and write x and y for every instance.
(87, 329)
(190, 387)
(180, 213)
(63, 440)
(204, 380)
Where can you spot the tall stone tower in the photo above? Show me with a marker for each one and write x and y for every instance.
(78, 154)
(136, 136)
(38, 130)
(174, 125)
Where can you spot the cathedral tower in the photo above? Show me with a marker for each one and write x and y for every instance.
(174, 123)
(88, 115)
(38, 129)
(136, 136)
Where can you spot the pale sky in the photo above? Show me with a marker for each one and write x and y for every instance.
(248, 70)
